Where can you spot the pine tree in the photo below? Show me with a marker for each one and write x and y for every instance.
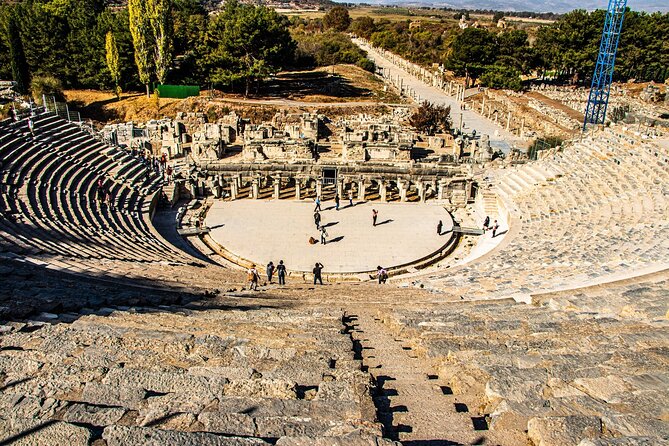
(140, 28)
(18, 58)
(112, 61)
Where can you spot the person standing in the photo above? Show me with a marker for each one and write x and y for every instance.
(440, 226)
(270, 271)
(495, 227)
(382, 274)
(317, 273)
(281, 272)
(318, 204)
(486, 223)
(336, 202)
(375, 215)
(324, 235)
(317, 220)
(350, 197)
(31, 126)
(253, 278)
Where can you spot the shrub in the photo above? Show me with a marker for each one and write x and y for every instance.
(48, 86)
(366, 64)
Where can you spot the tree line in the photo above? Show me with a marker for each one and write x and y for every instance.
(566, 49)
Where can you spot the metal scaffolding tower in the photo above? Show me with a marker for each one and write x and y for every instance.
(598, 100)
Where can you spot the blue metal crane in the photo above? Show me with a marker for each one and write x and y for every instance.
(598, 100)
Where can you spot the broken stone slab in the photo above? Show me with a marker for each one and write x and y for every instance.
(35, 432)
(228, 423)
(352, 439)
(143, 436)
(626, 441)
(263, 388)
(95, 415)
(563, 431)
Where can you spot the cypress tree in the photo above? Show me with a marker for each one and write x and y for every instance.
(17, 56)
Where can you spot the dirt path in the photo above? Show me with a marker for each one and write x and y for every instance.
(293, 103)
(405, 384)
(556, 105)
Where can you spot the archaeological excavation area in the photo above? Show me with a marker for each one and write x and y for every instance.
(526, 301)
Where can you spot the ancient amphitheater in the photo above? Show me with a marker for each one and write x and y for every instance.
(117, 331)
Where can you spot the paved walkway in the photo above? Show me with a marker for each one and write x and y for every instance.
(264, 230)
(499, 137)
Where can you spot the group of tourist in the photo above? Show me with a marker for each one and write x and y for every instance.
(254, 275)
(490, 227)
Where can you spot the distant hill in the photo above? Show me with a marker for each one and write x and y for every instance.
(559, 6)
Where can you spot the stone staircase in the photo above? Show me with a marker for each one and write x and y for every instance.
(585, 364)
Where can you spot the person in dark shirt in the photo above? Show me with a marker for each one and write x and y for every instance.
(317, 273)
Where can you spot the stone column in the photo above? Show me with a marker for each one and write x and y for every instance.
(298, 185)
(403, 186)
(421, 191)
(361, 189)
(382, 191)
(468, 189)
(319, 187)
(255, 188)
(277, 187)
(508, 121)
(233, 189)
(441, 191)
(340, 188)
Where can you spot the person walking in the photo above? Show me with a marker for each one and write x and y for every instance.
(318, 204)
(317, 273)
(253, 278)
(350, 197)
(486, 223)
(336, 202)
(495, 227)
(317, 220)
(324, 235)
(270, 271)
(375, 215)
(440, 226)
(281, 272)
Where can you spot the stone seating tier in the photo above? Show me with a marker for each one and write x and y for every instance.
(49, 191)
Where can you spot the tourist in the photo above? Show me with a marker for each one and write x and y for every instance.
(375, 215)
(495, 227)
(317, 273)
(486, 223)
(281, 272)
(31, 126)
(440, 226)
(253, 278)
(324, 235)
(381, 274)
(317, 220)
(318, 204)
(336, 202)
(15, 114)
(101, 195)
(270, 271)
(109, 200)
(350, 197)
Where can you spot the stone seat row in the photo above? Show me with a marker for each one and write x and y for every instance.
(271, 375)
(583, 214)
(49, 194)
(571, 362)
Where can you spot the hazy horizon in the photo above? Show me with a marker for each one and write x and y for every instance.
(556, 6)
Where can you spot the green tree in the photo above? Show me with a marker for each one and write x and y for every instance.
(363, 27)
(160, 18)
(113, 62)
(471, 51)
(337, 19)
(501, 76)
(47, 86)
(17, 56)
(140, 28)
(247, 43)
(497, 16)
